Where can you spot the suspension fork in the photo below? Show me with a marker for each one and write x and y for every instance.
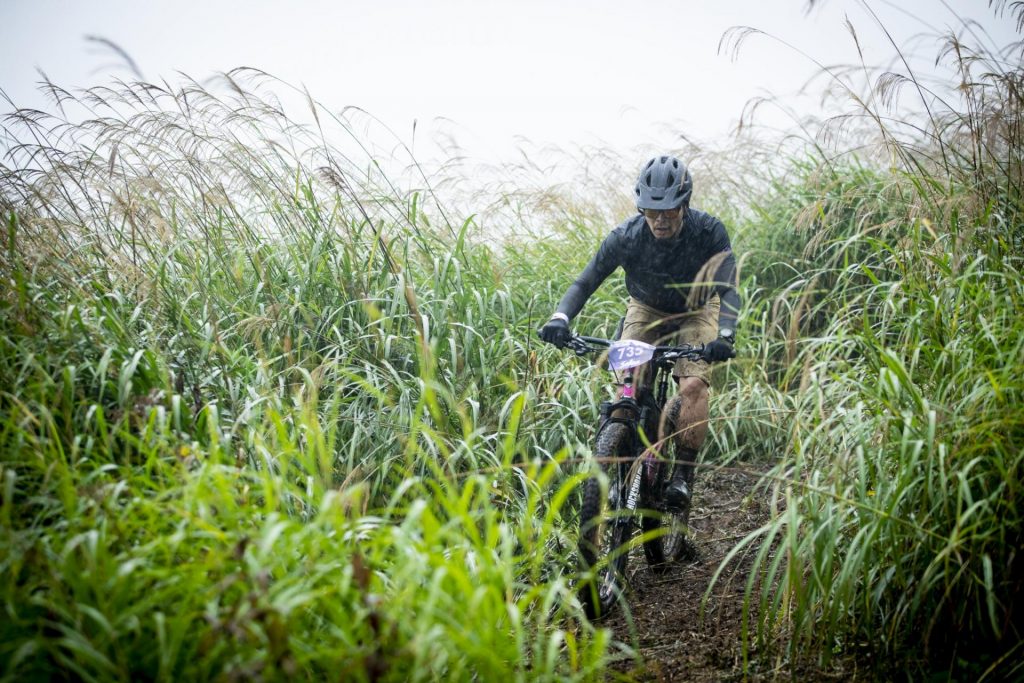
(635, 475)
(626, 410)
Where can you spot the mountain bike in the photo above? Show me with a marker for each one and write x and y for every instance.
(635, 446)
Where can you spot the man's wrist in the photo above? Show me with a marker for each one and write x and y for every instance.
(728, 334)
(560, 316)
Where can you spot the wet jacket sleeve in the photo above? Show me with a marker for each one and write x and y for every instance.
(725, 286)
(605, 261)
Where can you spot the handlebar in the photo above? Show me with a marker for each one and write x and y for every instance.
(583, 345)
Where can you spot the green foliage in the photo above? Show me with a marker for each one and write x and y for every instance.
(267, 414)
(250, 430)
(886, 326)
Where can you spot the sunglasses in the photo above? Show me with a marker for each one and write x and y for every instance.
(668, 214)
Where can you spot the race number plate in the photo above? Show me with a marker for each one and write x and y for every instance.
(629, 353)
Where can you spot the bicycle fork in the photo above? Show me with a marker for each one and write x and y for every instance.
(644, 471)
(634, 487)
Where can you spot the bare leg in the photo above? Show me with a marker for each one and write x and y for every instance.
(693, 413)
(692, 427)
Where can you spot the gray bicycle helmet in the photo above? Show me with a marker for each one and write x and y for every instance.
(664, 183)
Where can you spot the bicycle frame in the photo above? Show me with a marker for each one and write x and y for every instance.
(608, 520)
(640, 409)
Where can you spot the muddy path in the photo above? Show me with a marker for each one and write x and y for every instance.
(664, 622)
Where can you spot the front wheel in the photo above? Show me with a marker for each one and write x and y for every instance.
(604, 529)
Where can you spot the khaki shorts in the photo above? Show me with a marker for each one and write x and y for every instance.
(650, 325)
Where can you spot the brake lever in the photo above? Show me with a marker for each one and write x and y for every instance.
(578, 346)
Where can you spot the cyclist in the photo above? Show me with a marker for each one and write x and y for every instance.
(680, 275)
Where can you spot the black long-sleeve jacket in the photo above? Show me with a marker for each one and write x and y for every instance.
(665, 274)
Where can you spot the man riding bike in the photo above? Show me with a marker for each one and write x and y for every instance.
(680, 275)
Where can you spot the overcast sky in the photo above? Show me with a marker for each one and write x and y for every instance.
(569, 72)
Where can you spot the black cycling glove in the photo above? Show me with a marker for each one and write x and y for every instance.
(719, 350)
(555, 331)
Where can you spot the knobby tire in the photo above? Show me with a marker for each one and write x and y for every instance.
(603, 535)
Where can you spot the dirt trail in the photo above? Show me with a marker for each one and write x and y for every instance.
(664, 620)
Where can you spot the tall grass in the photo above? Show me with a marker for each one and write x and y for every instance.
(265, 415)
(271, 409)
(889, 324)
